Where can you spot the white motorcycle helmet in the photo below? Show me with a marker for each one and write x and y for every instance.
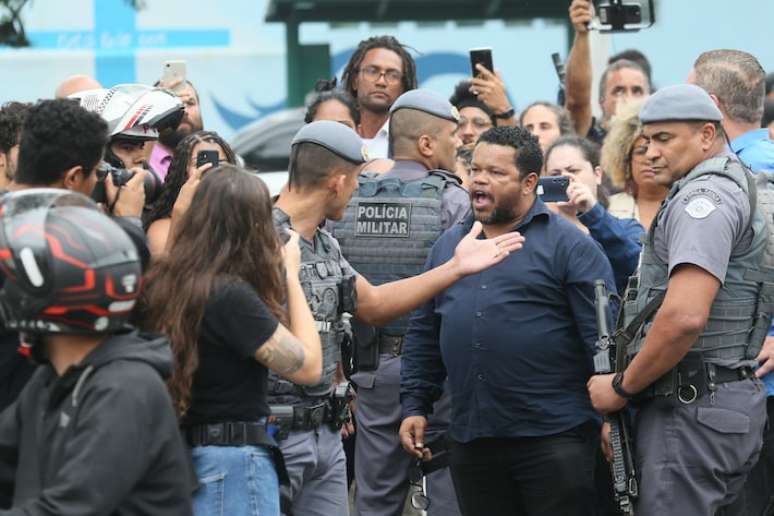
(133, 111)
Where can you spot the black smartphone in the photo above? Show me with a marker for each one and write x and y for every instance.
(553, 188)
(207, 156)
(481, 56)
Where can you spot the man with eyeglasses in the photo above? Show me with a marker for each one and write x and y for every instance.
(475, 115)
(379, 71)
(386, 234)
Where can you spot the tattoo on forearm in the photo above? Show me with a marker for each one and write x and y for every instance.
(282, 353)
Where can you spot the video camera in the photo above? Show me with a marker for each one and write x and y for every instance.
(623, 15)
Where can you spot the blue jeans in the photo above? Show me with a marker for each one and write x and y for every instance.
(235, 481)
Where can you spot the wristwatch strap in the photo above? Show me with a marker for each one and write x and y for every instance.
(505, 115)
(618, 388)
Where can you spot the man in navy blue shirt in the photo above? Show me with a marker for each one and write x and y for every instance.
(516, 342)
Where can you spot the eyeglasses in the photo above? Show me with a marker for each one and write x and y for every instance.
(372, 73)
(479, 123)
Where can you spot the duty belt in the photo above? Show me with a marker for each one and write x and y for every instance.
(303, 418)
(390, 344)
(671, 385)
(333, 410)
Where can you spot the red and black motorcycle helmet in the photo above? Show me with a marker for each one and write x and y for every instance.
(68, 268)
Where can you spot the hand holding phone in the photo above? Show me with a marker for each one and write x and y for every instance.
(207, 156)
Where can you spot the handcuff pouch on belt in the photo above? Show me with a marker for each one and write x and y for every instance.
(686, 382)
(693, 378)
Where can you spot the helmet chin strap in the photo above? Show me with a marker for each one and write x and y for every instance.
(112, 158)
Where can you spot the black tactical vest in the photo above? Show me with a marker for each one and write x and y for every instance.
(389, 227)
(330, 291)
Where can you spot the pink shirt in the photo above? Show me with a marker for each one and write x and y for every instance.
(160, 159)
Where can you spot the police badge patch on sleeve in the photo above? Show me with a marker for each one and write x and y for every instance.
(700, 207)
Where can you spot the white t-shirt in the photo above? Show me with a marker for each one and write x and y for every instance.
(378, 145)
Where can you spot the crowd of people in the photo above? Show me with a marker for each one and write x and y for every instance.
(408, 318)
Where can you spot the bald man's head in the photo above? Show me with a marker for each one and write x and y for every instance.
(76, 84)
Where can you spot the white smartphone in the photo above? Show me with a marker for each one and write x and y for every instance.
(174, 72)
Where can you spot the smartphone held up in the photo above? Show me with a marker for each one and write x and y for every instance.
(207, 156)
(482, 56)
(174, 74)
(553, 188)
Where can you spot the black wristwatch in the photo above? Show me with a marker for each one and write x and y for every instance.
(505, 115)
(618, 388)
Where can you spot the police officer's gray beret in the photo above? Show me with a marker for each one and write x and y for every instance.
(334, 136)
(429, 102)
(680, 102)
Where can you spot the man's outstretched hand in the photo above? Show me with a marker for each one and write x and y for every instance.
(473, 255)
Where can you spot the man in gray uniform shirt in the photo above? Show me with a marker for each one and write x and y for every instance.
(400, 215)
(701, 410)
(326, 158)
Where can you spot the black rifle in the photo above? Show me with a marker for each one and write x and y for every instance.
(625, 486)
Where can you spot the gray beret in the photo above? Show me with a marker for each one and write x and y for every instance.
(334, 136)
(429, 102)
(680, 102)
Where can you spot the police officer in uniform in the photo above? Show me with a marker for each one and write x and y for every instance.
(326, 158)
(402, 213)
(695, 316)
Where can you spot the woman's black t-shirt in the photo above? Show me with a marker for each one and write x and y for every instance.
(230, 385)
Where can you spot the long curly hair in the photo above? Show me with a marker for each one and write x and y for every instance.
(624, 129)
(177, 174)
(230, 235)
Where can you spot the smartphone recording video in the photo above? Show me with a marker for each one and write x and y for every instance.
(481, 56)
(553, 188)
(207, 156)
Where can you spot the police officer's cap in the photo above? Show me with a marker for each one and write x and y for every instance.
(334, 136)
(427, 101)
(680, 102)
